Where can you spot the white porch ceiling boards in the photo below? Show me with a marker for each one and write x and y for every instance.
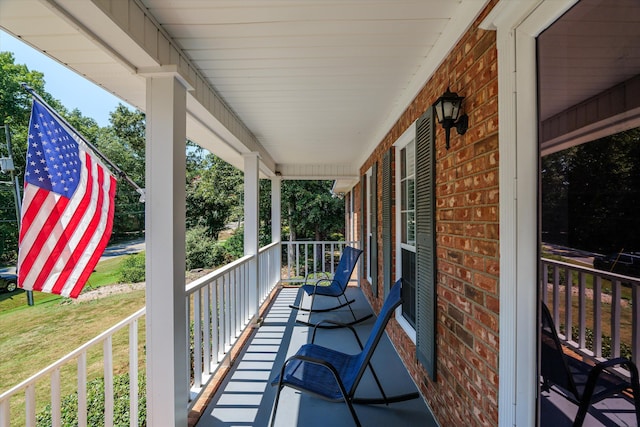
(317, 82)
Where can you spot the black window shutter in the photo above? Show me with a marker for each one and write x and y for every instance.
(363, 224)
(374, 229)
(425, 244)
(386, 220)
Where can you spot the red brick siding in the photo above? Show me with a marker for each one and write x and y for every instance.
(467, 224)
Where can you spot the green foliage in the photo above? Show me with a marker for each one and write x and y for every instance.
(132, 269)
(124, 144)
(625, 349)
(214, 192)
(202, 250)
(95, 404)
(591, 194)
(310, 210)
(234, 245)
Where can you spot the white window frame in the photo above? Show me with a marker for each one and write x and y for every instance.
(405, 139)
(518, 23)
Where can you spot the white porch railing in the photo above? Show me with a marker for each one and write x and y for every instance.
(601, 304)
(26, 390)
(220, 306)
(302, 258)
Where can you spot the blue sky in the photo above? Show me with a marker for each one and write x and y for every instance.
(65, 85)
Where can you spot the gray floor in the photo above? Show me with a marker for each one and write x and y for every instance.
(557, 411)
(246, 397)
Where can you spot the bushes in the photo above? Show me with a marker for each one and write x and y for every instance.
(95, 404)
(132, 269)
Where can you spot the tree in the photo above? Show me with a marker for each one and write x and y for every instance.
(214, 192)
(15, 107)
(124, 144)
(311, 211)
(591, 194)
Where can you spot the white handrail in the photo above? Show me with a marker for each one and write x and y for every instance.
(567, 287)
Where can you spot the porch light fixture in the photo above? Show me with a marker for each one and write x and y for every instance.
(448, 110)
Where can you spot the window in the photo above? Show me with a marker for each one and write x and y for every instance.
(369, 227)
(406, 228)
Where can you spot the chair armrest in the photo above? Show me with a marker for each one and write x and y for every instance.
(338, 325)
(599, 367)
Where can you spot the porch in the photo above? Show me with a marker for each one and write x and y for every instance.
(235, 357)
(245, 396)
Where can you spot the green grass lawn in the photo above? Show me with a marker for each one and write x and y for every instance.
(33, 337)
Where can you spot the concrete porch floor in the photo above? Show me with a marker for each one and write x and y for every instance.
(246, 396)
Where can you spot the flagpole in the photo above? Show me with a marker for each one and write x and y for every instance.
(119, 172)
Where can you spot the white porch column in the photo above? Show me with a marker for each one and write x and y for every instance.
(276, 209)
(166, 323)
(251, 222)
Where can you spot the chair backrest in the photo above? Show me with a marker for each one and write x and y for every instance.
(394, 299)
(347, 263)
(553, 365)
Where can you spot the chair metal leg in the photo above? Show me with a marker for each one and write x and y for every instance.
(275, 404)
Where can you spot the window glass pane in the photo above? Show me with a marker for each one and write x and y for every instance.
(403, 162)
(411, 159)
(411, 228)
(409, 286)
(404, 228)
(403, 195)
(411, 197)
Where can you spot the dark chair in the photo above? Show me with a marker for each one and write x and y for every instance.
(334, 286)
(581, 382)
(333, 375)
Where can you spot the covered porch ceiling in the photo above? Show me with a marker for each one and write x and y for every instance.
(312, 85)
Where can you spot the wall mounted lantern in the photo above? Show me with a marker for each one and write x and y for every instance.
(447, 111)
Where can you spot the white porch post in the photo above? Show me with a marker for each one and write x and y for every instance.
(251, 223)
(276, 225)
(166, 323)
(276, 209)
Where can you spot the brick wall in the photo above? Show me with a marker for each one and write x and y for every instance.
(466, 390)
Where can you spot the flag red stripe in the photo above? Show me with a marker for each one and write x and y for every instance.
(90, 229)
(35, 251)
(31, 210)
(97, 253)
(63, 241)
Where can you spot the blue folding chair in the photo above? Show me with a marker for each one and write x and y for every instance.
(334, 287)
(333, 375)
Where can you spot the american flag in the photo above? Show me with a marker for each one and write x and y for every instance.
(67, 208)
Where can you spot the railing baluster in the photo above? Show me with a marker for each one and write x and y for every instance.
(597, 315)
(82, 389)
(635, 322)
(206, 326)
(568, 304)
(56, 415)
(215, 320)
(5, 413)
(615, 318)
(133, 374)
(582, 309)
(545, 282)
(556, 296)
(197, 338)
(108, 381)
(30, 405)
